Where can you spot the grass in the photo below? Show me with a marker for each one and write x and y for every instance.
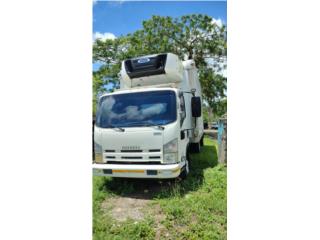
(195, 208)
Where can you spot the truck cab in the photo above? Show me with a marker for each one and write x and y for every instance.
(148, 127)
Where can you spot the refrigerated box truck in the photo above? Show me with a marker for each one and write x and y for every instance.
(149, 127)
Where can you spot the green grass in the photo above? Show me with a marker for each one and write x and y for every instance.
(195, 208)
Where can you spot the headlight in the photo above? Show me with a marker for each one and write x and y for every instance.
(171, 147)
(97, 153)
(170, 157)
(170, 151)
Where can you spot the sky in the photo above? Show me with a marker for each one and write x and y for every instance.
(120, 17)
(112, 19)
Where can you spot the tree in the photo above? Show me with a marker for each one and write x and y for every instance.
(193, 36)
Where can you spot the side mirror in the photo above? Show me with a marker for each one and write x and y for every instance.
(196, 106)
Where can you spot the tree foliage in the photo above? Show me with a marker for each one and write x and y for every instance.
(193, 36)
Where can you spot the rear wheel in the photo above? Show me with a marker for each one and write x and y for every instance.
(201, 141)
(195, 147)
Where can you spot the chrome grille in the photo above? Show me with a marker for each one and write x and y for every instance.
(133, 155)
(131, 151)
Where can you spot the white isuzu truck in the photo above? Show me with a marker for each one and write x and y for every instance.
(148, 127)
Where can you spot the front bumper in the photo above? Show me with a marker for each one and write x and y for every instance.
(138, 171)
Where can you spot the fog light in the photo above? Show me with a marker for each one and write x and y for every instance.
(166, 172)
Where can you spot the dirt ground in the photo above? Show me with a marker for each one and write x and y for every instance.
(138, 206)
(123, 208)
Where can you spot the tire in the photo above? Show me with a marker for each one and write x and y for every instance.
(201, 141)
(195, 147)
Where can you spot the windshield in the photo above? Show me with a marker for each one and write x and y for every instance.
(137, 109)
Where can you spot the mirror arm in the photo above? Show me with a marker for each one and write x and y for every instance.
(193, 91)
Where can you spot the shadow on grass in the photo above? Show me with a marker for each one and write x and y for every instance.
(150, 189)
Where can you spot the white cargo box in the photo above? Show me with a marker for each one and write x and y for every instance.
(151, 70)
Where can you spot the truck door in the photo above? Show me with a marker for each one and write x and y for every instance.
(184, 136)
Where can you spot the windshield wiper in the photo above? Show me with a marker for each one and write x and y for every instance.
(141, 124)
(146, 124)
(114, 127)
(154, 125)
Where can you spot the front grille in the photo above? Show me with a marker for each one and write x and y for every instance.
(131, 151)
(131, 157)
(154, 150)
(108, 150)
(139, 156)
